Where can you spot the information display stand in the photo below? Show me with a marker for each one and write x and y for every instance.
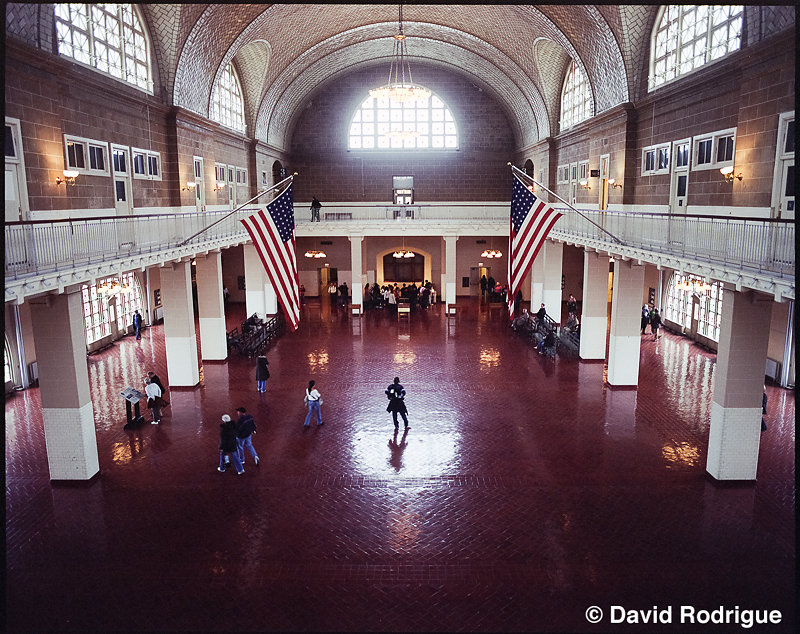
(132, 396)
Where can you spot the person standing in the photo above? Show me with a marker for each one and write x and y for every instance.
(228, 448)
(572, 304)
(314, 401)
(154, 379)
(262, 373)
(153, 393)
(397, 404)
(655, 323)
(137, 324)
(315, 207)
(484, 282)
(245, 428)
(645, 318)
(764, 409)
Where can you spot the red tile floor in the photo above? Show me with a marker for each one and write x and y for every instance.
(525, 492)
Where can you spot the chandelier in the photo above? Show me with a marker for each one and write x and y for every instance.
(113, 287)
(400, 86)
(404, 253)
(313, 253)
(697, 286)
(492, 252)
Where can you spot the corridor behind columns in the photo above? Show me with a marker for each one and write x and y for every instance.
(525, 491)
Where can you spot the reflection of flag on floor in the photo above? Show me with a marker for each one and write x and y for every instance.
(531, 221)
(274, 239)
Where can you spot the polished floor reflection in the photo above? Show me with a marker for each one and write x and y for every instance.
(525, 492)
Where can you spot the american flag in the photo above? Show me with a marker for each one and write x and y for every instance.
(531, 221)
(273, 236)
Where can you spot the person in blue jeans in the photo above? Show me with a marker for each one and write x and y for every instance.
(245, 428)
(137, 324)
(314, 401)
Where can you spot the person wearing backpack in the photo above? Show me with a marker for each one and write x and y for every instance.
(245, 428)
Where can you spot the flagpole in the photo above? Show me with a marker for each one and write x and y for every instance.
(244, 204)
(516, 169)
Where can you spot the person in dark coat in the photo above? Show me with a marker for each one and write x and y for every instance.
(645, 318)
(655, 323)
(245, 428)
(397, 404)
(228, 447)
(154, 379)
(262, 373)
(572, 304)
(137, 324)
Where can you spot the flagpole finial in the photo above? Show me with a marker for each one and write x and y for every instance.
(509, 163)
(295, 174)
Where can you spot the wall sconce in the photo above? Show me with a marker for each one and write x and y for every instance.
(584, 184)
(727, 172)
(219, 186)
(190, 185)
(69, 177)
(614, 184)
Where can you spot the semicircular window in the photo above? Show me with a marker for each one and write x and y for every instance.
(385, 124)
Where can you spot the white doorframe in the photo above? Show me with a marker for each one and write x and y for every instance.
(199, 184)
(16, 185)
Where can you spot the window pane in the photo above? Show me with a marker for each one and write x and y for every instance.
(10, 149)
(789, 144)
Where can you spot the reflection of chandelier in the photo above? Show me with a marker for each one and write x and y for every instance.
(400, 88)
(402, 134)
(113, 287)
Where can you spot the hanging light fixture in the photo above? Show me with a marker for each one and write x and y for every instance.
(400, 86)
(404, 253)
(492, 252)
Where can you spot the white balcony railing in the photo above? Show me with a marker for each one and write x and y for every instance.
(41, 247)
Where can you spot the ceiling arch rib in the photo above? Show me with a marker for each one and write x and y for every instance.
(252, 62)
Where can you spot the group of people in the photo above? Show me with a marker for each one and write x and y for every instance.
(653, 319)
(234, 438)
(389, 295)
(343, 293)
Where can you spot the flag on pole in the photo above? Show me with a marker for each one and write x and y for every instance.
(531, 221)
(274, 239)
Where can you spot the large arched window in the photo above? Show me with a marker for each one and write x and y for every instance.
(688, 37)
(384, 124)
(576, 99)
(108, 37)
(691, 298)
(227, 106)
(96, 312)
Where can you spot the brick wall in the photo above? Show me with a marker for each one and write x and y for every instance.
(477, 171)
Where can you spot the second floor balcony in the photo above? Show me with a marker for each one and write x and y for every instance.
(750, 252)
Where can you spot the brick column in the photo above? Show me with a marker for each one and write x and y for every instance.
(180, 339)
(625, 337)
(735, 433)
(594, 315)
(551, 291)
(450, 273)
(213, 343)
(67, 411)
(356, 264)
(255, 280)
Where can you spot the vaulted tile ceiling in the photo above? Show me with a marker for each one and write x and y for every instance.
(284, 53)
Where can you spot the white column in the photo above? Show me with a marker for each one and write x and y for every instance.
(180, 339)
(450, 265)
(594, 315)
(213, 343)
(356, 277)
(67, 411)
(551, 291)
(735, 432)
(537, 281)
(625, 337)
(255, 281)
